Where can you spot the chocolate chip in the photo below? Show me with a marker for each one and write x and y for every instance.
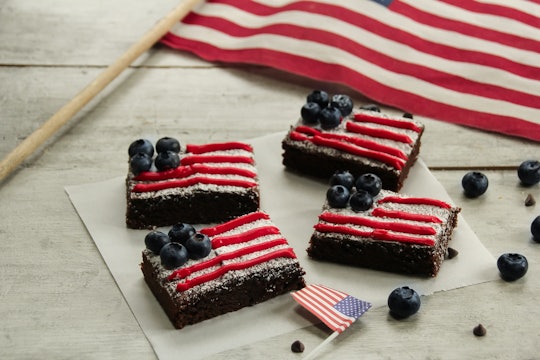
(451, 253)
(529, 200)
(479, 330)
(297, 347)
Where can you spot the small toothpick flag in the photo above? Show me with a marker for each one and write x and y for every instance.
(336, 309)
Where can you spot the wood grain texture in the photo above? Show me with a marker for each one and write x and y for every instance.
(57, 297)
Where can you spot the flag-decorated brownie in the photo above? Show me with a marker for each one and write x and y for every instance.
(197, 184)
(197, 275)
(331, 136)
(362, 225)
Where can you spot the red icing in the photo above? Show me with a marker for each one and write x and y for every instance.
(215, 261)
(185, 171)
(415, 201)
(368, 144)
(376, 234)
(190, 182)
(376, 224)
(192, 159)
(237, 222)
(396, 214)
(234, 266)
(401, 124)
(380, 133)
(249, 235)
(200, 149)
(321, 140)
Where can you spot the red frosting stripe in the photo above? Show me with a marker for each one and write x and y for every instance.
(246, 236)
(232, 145)
(377, 234)
(193, 159)
(180, 183)
(379, 133)
(185, 171)
(401, 124)
(403, 215)
(375, 224)
(368, 144)
(237, 222)
(415, 201)
(216, 260)
(321, 140)
(287, 253)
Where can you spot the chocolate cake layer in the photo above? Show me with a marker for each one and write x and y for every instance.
(399, 234)
(250, 262)
(365, 142)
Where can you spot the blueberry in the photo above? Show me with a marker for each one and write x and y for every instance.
(181, 232)
(198, 246)
(474, 183)
(173, 255)
(338, 196)
(529, 172)
(512, 266)
(167, 144)
(330, 117)
(371, 107)
(343, 103)
(403, 302)
(361, 200)
(535, 229)
(167, 160)
(310, 112)
(369, 182)
(141, 146)
(342, 177)
(140, 162)
(155, 240)
(320, 97)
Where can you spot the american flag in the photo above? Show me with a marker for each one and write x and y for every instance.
(474, 63)
(335, 308)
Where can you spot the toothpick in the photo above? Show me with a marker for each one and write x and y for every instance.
(315, 351)
(51, 126)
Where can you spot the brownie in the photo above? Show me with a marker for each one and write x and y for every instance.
(250, 262)
(398, 233)
(365, 141)
(213, 183)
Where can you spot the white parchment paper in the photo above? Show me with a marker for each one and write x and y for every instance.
(293, 203)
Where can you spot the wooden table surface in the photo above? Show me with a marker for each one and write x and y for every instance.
(57, 298)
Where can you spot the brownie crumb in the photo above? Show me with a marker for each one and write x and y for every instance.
(479, 330)
(451, 253)
(297, 347)
(529, 200)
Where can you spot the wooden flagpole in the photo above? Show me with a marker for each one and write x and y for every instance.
(60, 118)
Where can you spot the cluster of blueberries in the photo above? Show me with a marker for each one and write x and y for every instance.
(341, 192)
(326, 111)
(181, 243)
(141, 153)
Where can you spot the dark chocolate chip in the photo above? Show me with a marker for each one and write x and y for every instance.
(451, 253)
(479, 330)
(529, 200)
(297, 347)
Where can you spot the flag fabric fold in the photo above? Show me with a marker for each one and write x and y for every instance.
(473, 63)
(336, 309)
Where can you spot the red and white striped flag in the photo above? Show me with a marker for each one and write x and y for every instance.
(335, 308)
(474, 63)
